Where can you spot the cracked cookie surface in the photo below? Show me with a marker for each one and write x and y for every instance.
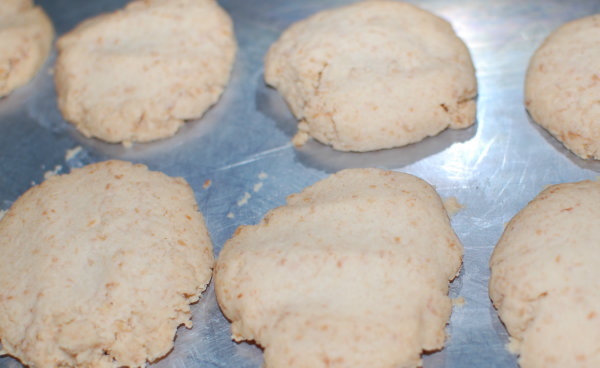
(373, 75)
(99, 267)
(562, 86)
(544, 273)
(351, 272)
(137, 74)
(26, 35)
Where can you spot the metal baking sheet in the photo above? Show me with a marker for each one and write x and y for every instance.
(493, 168)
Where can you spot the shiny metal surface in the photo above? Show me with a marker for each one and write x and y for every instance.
(493, 168)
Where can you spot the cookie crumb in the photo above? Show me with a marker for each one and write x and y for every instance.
(452, 206)
(72, 153)
(54, 172)
(244, 200)
(127, 144)
(262, 175)
(257, 186)
(207, 184)
(230, 215)
(458, 301)
(2, 213)
(300, 138)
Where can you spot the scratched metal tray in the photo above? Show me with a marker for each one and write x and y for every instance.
(494, 168)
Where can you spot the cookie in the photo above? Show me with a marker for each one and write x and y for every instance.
(26, 35)
(562, 86)
(373, 75)
(351, 272)
(544, 273)
(137, 74)
(99, 267)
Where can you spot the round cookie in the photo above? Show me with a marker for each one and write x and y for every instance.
(26, 35)
(373, 75)
(99, 267)
(138, 73)
(544, 278)
(562, 86)
(352, 272)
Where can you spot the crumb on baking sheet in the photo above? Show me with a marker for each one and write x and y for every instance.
(2, 213)
(452, 206)
(127, 144)
(207, 184)
(302, 135)
(230, 215)
(300, 138)
(262, 175)
(51, 173)
(244, 199)
(458, 301)
(72, 153)
(257, 186)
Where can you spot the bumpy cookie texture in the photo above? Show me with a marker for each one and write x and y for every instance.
(137, 74)
(562, 86)
(99, 267)
(544, 278)
(373, 75)
(352, 272)
(26, 35)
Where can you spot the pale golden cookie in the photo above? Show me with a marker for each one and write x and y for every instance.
(352, 272)
(373, 75)
(26, 35)
(99, 267)
(562, 86)
(137, 74)
(544, 278)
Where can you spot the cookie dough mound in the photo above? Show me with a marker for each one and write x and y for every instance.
(99, 267)
(352, 272)
(138, 73)
(26, 35)
(373, 75)
(544, 273)
(562, 86)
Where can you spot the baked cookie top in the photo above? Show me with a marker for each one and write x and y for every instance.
(99, 267)
(373, 75)
(562, 86)
(138, 73)
(352, 272)
(544, 273)
(26, 35)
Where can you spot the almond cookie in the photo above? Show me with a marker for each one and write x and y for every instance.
(352, 272)
(138, 73)
(544, 278)
(26, 35)
(99, 267)
(373, 75)
(562, 86)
